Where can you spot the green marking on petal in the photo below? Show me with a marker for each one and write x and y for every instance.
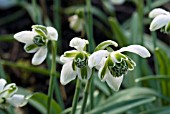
(103, 72)
(105, 44)
(73, 66)
(119, 56)
(167, 28)
(131, 61)
(70, 54)
(130, 65)
(109, 62)
(81, 60)
(119, 69)
(31, 47)
(39, 40)
(2, 100)
(40, 29)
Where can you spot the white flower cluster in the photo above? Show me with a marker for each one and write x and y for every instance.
(112, 65)
(161, 20)
(8, 96)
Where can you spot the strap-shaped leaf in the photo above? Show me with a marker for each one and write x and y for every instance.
(39, 101)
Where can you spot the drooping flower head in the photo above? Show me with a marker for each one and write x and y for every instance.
(8, 96)
(75, 62)
(161, 20)
(114, 65)
(117, 2)
(36, 41)
(77, 21)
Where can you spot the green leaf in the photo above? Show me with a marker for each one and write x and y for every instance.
(116, 108)
(127, 99)
(161, 110)
(39, 101)
(118, 32)
(155, 77)
(163, 60)
(105, 44)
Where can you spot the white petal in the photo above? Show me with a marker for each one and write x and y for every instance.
(157, 11)
(89, 72)
(65, 59)
(159, 21)
(138, 49)
(52, 33)
(113, 82)
(9, 89)
(79, 73)
(67, 73)
(31, 51)
(2, 84)
(117, 2)
(78, 43)
(39, 56)
(76, 23)
(101, 64)
(25, 37)
(96, 57)
(17, 100)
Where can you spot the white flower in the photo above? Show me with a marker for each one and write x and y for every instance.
(8, 96)
(75, 62)
(114, 65)
(76, 23)
(117, 2)
(36, 41)
(161, 19)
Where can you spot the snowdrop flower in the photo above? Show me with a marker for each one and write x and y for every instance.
(75, 62)
(76, 23)
(161, 20)
(36, 41)
(8, 96)
(117, 2)
(114, 65)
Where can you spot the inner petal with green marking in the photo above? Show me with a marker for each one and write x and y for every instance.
(39, 40)
(80, 60)
(119, 69)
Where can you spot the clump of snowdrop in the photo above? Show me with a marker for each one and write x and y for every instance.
(75, 62)
(113, 65)
(8, 96)
(161, 20)
(77, 21)
(36, 41)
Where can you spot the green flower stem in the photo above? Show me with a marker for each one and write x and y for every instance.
(52, 76)
(57, 21)
(86, 92)
(76, 96)
(57, 24)
(89, 29)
